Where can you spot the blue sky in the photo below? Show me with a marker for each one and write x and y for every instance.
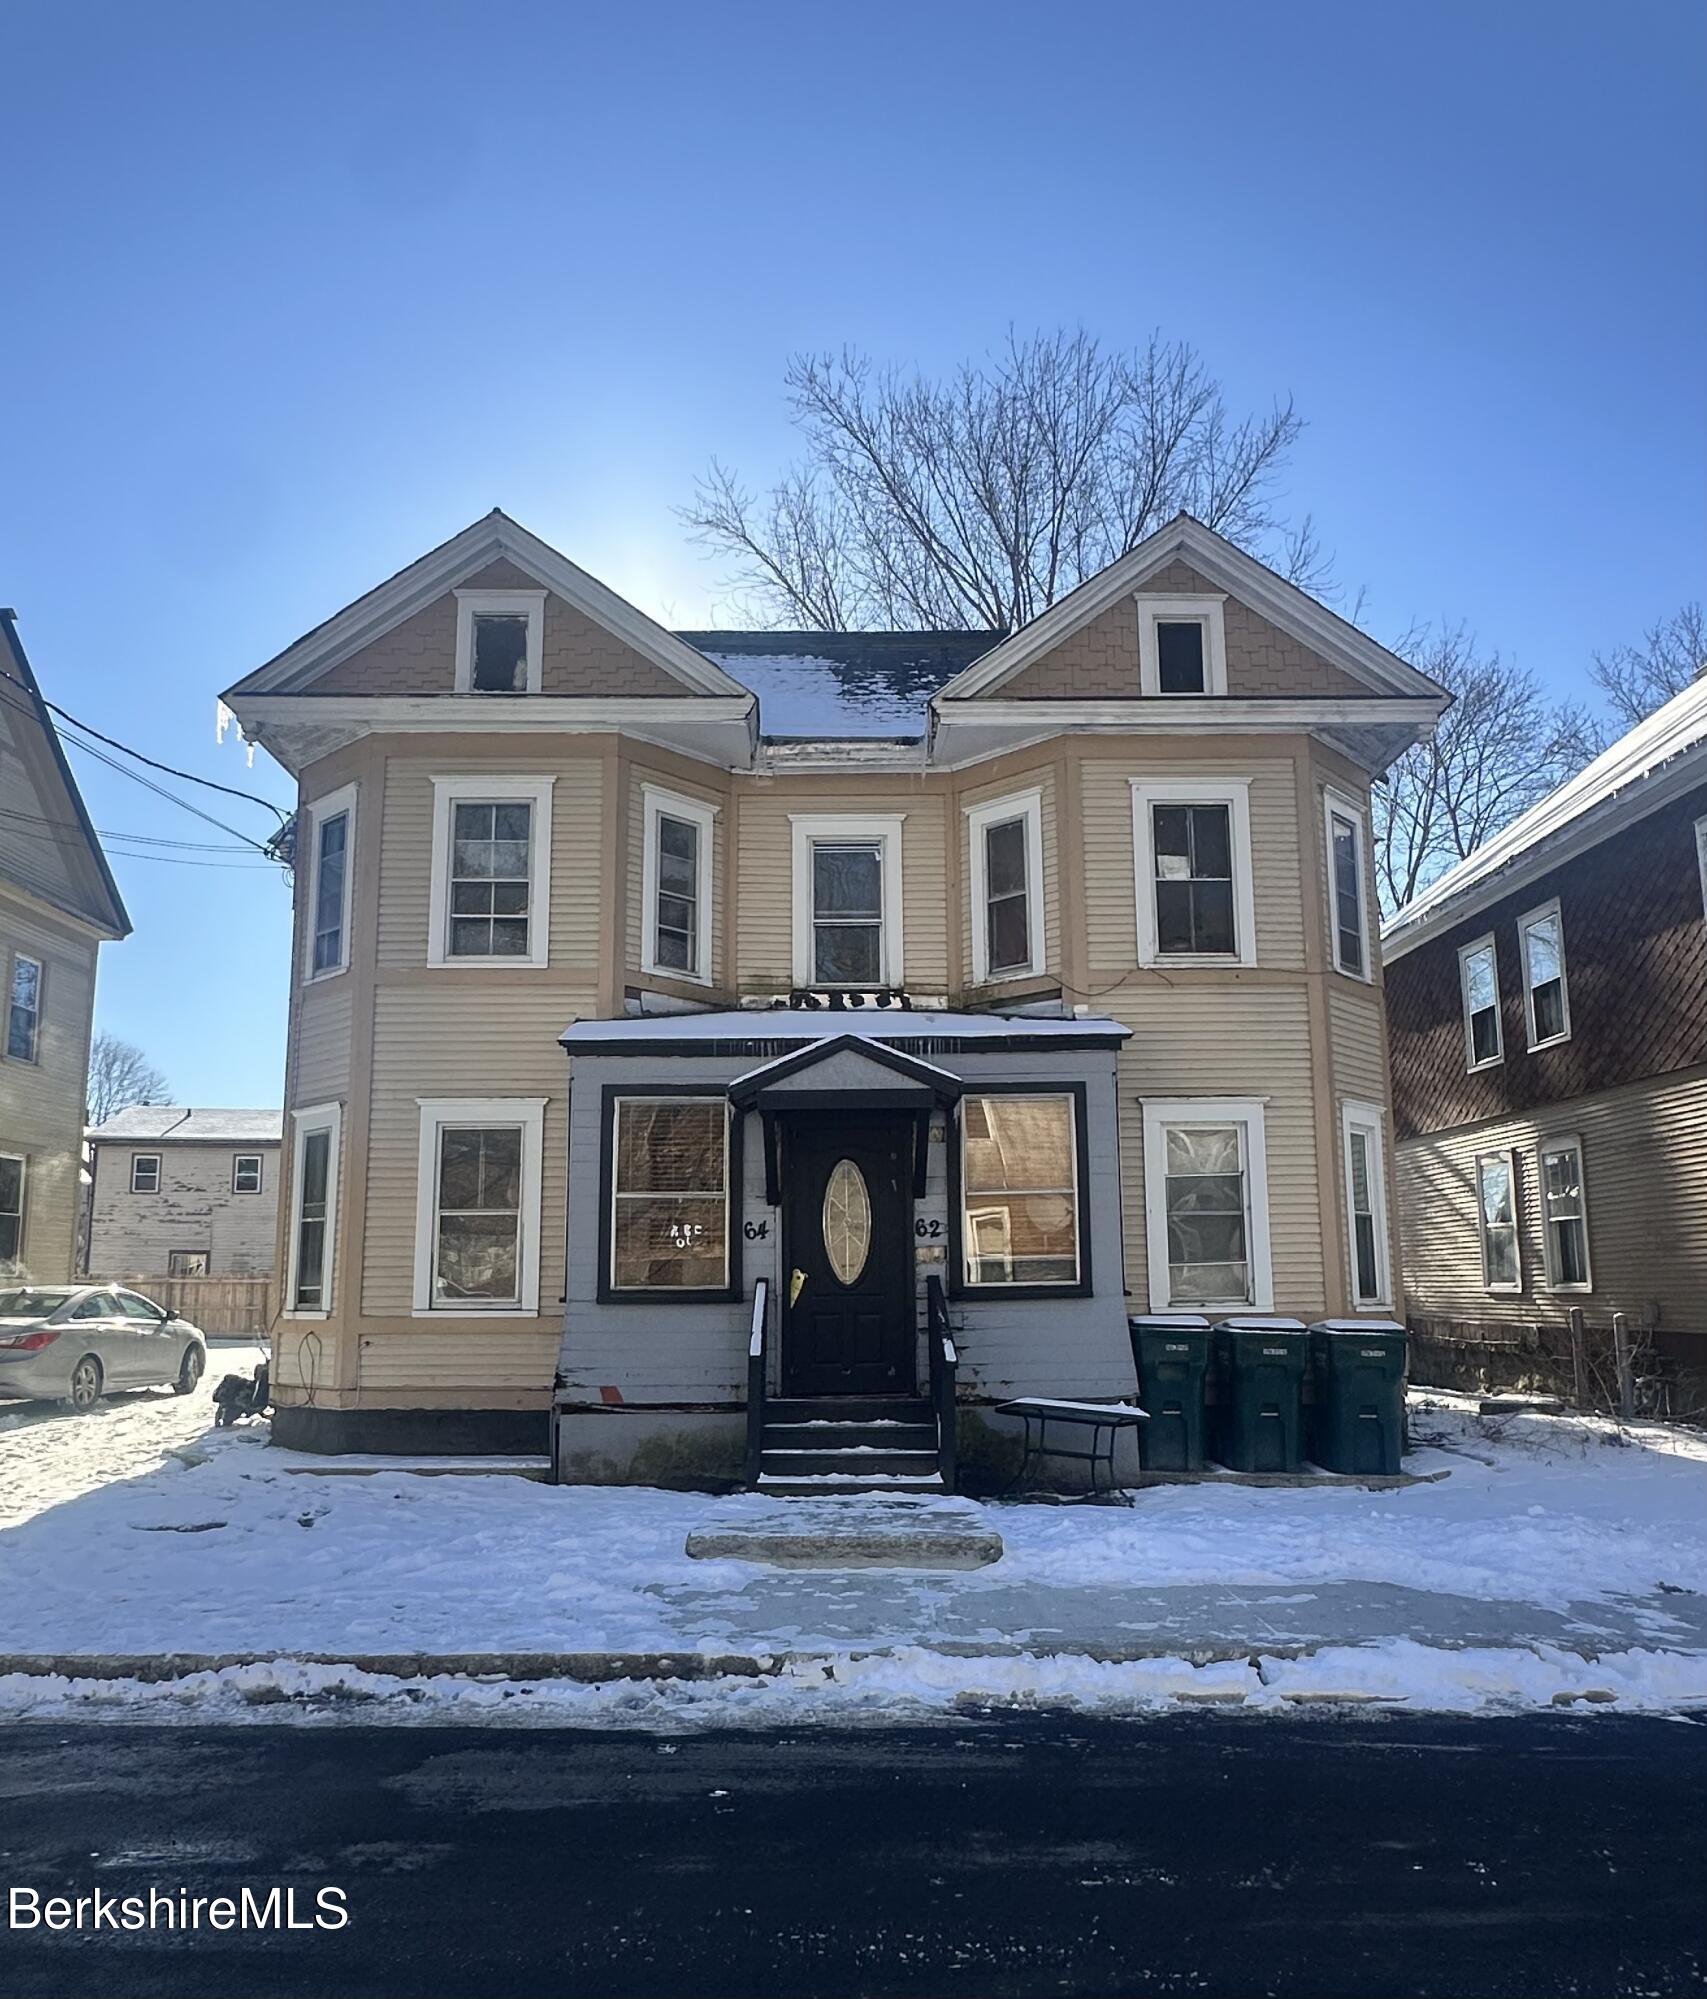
(291, 294)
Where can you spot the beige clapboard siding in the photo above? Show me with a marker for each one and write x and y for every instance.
(458, 1042)
(765, 885)
(1645, 1174)
(1354, 1026)
(1041, 779)
(1241, 1042)
(406, 861)
(639, 777)
(472, 1356)
(1111, 917)
(323, 1015)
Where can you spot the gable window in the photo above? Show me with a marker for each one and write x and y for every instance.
(246, 1173)
(1496, 1198)
(491, 875)
(676, 892)
(668, 1175)
(11, 1209)
(331, 844)
(1206, 1203)
(145, 1173)
(1546, 1000)
(23, 1009)
(1192, 843)
(1007, 887)
(1366, 1204)
(1182, 647)
(477, 1205)
(1564, 1212)
(847, 900)
(1019, 1193)
(1348, 903)
(499, 641)
(313, 1211)
(1479, 984)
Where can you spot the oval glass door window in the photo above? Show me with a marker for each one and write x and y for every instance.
(847, 1220)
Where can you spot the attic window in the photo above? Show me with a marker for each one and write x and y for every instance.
(500, 653)
(1179, 655)
(499, 641)
(1182, 646)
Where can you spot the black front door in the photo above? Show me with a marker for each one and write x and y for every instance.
(847, 1252)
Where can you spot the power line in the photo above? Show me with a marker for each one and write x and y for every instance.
(74, 827)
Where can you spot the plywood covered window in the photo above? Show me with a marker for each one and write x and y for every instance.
(1020, 1181)
(669, 1194)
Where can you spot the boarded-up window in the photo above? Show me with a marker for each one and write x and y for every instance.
(1020, 1190)
(669, 1194)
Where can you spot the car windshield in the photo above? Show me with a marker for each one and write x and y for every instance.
(30, 1304)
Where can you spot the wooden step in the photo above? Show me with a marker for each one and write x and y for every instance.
(839, 1484)
(848, 1409)
(823, 1435)
(860, 1461)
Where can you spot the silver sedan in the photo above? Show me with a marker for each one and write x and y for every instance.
(76, 1343)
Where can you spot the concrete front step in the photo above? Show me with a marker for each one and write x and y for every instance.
(828, 1527)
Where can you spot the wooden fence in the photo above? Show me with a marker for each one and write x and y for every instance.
(224, 1307)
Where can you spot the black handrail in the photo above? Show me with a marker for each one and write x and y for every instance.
(945, 1360)
(756, 1382)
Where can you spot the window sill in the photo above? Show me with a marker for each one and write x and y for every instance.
(466, 1312)
(488, 964)
(1552, 1041)
(1503, 1290)
(673, 975)
(331, 972)
(1570, 1290)
(300, 1314)
(1478, 1068)
(1195, 961)
(1357, 978)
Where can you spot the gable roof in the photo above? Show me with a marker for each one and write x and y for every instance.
(56, 789)
(441, 569)
(1242, 576)
(1642, 771)
(182, 1122)
(937, 1083)
(819, 686)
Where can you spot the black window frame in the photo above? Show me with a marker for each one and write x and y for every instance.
(1200, 626)
(715, 1294)
(1083, 1285)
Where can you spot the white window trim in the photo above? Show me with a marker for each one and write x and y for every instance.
(1371, 1121)
(22, 1161)
(136, 1159)
(436, 1113)
(1563, 1141)
(316, 814)
(882, 827)
(312, 1118)
(448, 792)
(1233, 792)
(1540, 911)
(237, 1158)
(1028, 807)
(1509, 1154)
(655, 800)
(1335, 801)
(34, 1056)
(1465, 953)
(1159, 1114)
(1205, 610)
(500, 603)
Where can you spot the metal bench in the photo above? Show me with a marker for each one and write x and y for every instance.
(1104, 1420)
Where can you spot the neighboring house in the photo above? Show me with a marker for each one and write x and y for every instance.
(1548, 1010)
(58, 901)
(179, 1192)
(1034, 976)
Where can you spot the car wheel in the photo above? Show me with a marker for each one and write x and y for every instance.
(190, 1373)
(86, 1383)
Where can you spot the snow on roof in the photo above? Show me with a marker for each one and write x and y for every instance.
(1616, 786)
(830, 685)
(802, 1024)
(183, 1121)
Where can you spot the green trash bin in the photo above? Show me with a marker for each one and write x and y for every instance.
(1171, 1353)
(1260, 1364)
(1358, 1371)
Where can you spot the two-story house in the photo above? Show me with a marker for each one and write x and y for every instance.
(682, 1024)
(58, 901)
(182, 1191)
(1548, 1006)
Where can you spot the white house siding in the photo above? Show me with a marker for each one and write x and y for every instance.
(133, 1235)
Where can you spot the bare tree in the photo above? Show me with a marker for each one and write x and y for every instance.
(1638, 679)
(979, 498)
(121, 1075)
(1499, 749)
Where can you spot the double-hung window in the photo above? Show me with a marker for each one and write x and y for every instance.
(1496, 1203)
(847, 900)
(676, 895)
(1348, 900)
(145, 1172)
(1479, 985)
(1006, 842)
(330, 856)
(499, 641)
(246, 1173)
(1546, 998)
(11, 1209)
(668, 1175)
(1181, 645)
(1020, 1184)
(23, 1009)
(1564, 1214)
(1192, 843)
(491, 876)
(1701, 859)
(1206, 1204)
(1366, 1205)
(477, 1205)
(313, 1211)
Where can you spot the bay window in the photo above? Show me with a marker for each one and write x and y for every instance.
(847, 900)
(1196, 897)
(1366, 1205)
(313, 1212)
(676, 890)
(329, 852)
(491, 871)
(477, 1206)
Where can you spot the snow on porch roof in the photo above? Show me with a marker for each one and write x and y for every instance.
(769, 1024)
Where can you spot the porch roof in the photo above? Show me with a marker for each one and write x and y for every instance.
(742, 1030)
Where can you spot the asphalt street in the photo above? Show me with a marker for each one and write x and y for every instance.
(1206, 1853)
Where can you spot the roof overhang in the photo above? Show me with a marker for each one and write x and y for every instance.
(766, 1033)
(777, 1085)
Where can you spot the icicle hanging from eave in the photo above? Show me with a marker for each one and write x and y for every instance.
(223, 719)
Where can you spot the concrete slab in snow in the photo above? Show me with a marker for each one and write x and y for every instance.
(864, 1531)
